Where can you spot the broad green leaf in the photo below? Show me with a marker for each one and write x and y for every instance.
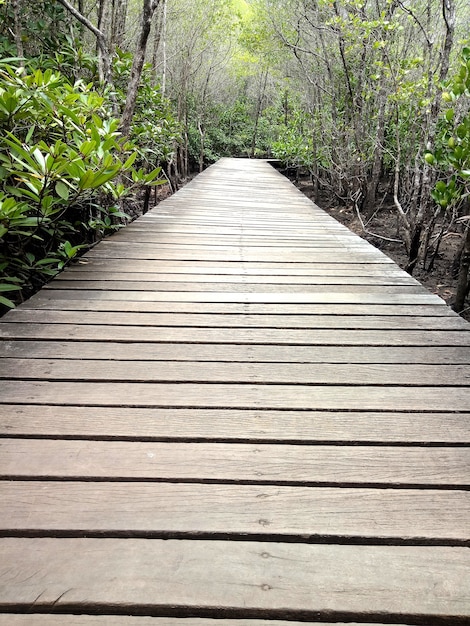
(7, 302)
(62, 190)
(130, 161)
(6, 287)
(40, 159)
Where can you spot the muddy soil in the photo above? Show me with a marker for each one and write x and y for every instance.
(440, 280)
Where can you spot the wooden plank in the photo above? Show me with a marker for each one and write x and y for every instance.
(224, 372)
(258, 353)
(129, 251)
(10, 619)
(260, 463)
(227, 320)
(117, 269)
(305, 514)
(169, 241)
(266, 579)
(386, 287)
(257, 269)
(346, 297)
(237, 396)
(354, 245)
(153, 424)
(155, 280)
(215, 240)
(52, 301)
(237, 336)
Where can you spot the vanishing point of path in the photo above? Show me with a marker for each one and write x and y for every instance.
(234, 412)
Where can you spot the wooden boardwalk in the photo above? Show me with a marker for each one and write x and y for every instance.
(234, 412)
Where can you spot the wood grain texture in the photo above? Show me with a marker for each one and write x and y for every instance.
(237, 396)
(247, 297)
(227, 287)
(353, 322)
(238, 336)
(301, 513)
(52, 301)
(274, 578)
(36, 619)
(257, 353)
(234, 425)
(223, 372)
(263, 463)
(121, 280)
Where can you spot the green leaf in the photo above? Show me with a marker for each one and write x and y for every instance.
(38, 155)
(5, 287)
(62, 190)
(130, 161)
(7, 302)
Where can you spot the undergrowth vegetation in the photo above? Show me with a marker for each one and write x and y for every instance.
(64, 170)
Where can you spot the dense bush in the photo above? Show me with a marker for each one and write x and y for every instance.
(63, 169)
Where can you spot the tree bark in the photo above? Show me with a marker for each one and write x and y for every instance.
(427, 179)
(18, 32)
(149, 7)
(259, 106)
(158, 36)
(462, 283)
(118, 23)
(105, 66)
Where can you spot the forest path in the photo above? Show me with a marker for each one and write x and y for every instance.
(234, 412)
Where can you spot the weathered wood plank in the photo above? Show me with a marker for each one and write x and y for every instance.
(9, 330)
(257, 269)
(10, 619)
(303, 513)
(53, 301)
(234, 425)
(346, 297)
(222, 287)
(257, 353)
(72, 278)
(260, 463)
(261, 240)
(223, 372)
(118, 251)
(227, 320)
(276, 580)
(237, 396)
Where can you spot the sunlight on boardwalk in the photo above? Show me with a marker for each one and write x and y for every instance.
(234, 412)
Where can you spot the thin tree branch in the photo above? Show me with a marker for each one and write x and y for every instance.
(100, 37)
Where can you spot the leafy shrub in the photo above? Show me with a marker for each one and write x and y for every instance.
(452, 155)
(154, 129)
(63, 168)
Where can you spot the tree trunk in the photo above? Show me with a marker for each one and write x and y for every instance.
(149, 7)
(426, 175)
(462, 283)
(201, 146)
(373, 183)
(102, 41)
(118, 23)
(18, 32)
(158, 36)
(259, 107)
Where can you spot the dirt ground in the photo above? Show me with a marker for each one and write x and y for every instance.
(384, 223)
